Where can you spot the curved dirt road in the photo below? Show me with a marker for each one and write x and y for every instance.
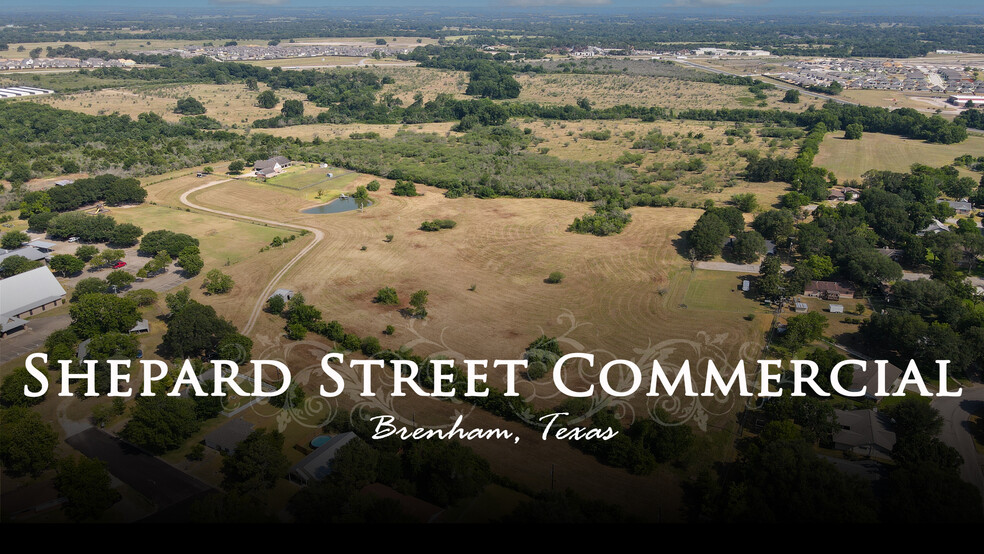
(318, 236)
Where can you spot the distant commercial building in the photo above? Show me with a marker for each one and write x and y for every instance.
(30, 292)
(963, 99)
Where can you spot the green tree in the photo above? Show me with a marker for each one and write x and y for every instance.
(267, 100)
(275, 304)
(12, 389)
(748, 247)
(293, 397)
(404, 188)
(12, 240)
(27, 443)
(142, 297)
(792, 96)
(217, 282)
(119, 278)
(236, 167)
(15, 265)
(161, 423)
(195, 330)
(418, 301)
(86, 483)
(126, 234)
(190, 260)
(853, 131)
(95, 314)
(707, 236)
(89, 285)
(189, 106)
(292, 109)
(802, 330)
(66, 264)
(86, 252)
(746, 202)
(387, 295)
(256, 464)
(555, 277)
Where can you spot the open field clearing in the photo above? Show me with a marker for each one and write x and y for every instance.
(408, 81)
(222, 240)
(642, 90)
(391, 42)
(134, 46)
(328, 131)
(719, 181)
(610, 300)
(230, 104)
(849, 159)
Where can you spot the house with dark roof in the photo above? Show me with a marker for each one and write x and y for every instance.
(865, 432)
(270, 166)
(229, 435)
(828, 290)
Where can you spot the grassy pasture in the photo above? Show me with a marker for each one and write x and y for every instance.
(230, 104)
(849, 159)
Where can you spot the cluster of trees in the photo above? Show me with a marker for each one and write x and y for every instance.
(302, 318)
(608, 218)
(189, 106)
(929, 320)
(41, 140)
(438, 224)
(709, 235)
(112, 190)
(488, 78)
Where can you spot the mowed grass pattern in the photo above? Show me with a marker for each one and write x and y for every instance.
(849, 159)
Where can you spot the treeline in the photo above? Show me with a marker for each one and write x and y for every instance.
(488, 77)
(905, 122)
(110, 189)
(40, 140)
(486, 162)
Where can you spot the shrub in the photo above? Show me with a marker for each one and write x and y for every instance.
(373, 186)
(387, 296)
(555, 277)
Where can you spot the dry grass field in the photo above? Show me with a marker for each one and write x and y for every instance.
(408, 81)
(327, 131)
(718, 182)
(616, 298)
(133, 45)
(644, 90)
(230, 104)
(849, 159)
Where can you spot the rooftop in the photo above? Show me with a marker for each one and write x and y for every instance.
(28, 290)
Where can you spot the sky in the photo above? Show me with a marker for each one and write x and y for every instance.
(884, 7)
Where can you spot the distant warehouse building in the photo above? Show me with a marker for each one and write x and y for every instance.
(962, 99)
(25, 294)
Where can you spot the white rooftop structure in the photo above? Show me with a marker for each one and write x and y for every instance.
(29, 252)
(41, 244)
(836, 308)
(23, 293)
(317, 465)
(283, 293)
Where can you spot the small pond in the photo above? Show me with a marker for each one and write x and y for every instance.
(338, 205)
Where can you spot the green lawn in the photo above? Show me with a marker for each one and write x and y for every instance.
(306, 176)
(849, 159)
(719, 291)
(221, 239)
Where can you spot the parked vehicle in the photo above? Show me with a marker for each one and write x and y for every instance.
(118, 265)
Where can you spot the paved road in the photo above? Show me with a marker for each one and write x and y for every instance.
(152, 477)
(778, 86)
(30, 339)
(271, 286)
(956, 431)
